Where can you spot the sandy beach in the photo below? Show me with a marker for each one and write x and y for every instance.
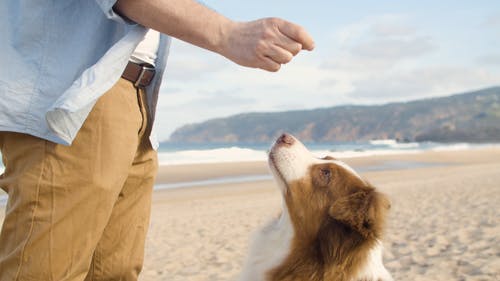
(444, 223)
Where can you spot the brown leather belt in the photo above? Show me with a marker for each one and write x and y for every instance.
(139, 74)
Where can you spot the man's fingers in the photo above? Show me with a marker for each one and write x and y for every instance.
(297, 33)
(270, 65)
(279, 55)
(288, 44)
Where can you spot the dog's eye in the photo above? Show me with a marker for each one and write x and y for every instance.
(326, 174)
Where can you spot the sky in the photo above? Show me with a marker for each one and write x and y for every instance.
(367, 52)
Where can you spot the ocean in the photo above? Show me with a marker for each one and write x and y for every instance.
(176, 154)
(181, 153)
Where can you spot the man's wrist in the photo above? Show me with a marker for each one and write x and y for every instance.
(218, 41)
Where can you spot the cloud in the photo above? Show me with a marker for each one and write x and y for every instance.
(187, 62)
(235, 90)
(383, 59)
(492, 21)
(387, 29)
(186, 108)
(422, 82)
(378, 43)
(395, 48)
(380, 25)
(218, 100)
(490, 59)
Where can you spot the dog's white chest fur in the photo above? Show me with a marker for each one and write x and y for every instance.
(270, 246)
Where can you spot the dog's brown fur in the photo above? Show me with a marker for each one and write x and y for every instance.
(334, 234)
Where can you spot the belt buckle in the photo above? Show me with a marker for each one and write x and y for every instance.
(144, 68)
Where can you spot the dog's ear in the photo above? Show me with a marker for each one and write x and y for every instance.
(364, 211)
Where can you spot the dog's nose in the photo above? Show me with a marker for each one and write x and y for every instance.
(285, 139)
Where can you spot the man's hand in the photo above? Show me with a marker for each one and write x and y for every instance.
(265, 43)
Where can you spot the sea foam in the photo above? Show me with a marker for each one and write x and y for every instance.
(350, 150)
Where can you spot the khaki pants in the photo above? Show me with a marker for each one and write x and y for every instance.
(80, 212)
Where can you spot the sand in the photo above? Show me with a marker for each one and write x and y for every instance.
(444, 223)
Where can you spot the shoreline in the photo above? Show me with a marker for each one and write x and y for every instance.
(194, 175)
(195, 172)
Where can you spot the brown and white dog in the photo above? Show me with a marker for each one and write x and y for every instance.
(330, 227)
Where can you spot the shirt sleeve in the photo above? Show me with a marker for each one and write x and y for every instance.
(107, 8)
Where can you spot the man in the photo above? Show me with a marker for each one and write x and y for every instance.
(79, 83)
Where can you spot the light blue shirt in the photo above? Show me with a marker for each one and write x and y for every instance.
(58, 57)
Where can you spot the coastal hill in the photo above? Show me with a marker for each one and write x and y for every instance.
(467, 117)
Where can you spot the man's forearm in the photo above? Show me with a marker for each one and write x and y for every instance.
(186, 20)
(264, 43)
